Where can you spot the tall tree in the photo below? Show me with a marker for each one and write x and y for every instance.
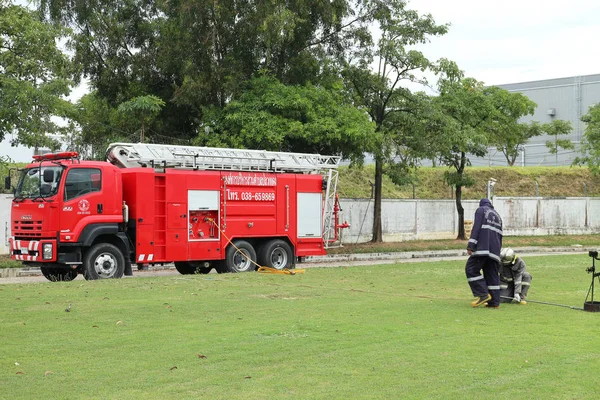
(34, 77)
(506, 132)
(383, 92)
(470, 113)
(197, 55)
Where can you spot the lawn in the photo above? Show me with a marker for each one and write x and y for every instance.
(382, 332)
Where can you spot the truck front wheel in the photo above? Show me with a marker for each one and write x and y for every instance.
(103, 261)
(58, 274)
(240, 257)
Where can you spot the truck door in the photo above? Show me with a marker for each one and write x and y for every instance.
(82, 199)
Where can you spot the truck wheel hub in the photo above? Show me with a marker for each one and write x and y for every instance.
(105, 265)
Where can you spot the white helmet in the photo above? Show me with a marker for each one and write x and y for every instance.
(507, 256)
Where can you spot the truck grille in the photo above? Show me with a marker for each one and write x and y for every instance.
(27, 229)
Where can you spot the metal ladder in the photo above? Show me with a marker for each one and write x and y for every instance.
(162, 156)
(130, 155)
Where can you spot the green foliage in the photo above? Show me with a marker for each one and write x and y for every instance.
(453, 178)
(469, 115)
(99, 124)
(556, 128)
(469, 111)
(505, 130)
(35, 75)
(396, 111)
(337, 333)
(591, 141)
(309, 119)
(142, 108)
(199, 55)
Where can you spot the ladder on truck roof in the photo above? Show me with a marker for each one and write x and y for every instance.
(160, 156)
(130, 155)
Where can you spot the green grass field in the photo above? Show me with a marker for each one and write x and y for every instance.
(403, 331)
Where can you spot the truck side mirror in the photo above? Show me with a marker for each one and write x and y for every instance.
(7, 183)
(48, 175)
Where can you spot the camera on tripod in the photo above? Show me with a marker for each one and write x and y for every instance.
(592, 305)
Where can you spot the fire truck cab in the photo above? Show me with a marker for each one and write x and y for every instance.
(198, 207)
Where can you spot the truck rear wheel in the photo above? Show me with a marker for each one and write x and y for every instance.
(275, 254)
(58, 274)
(103, 261)
(240, 259)
(189, 268)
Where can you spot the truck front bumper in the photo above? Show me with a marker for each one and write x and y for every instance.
(33, 250)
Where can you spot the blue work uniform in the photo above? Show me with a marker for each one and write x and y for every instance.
(485, 243)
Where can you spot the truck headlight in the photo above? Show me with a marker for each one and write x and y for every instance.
(47, 251)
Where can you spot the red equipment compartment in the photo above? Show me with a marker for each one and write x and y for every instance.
(202, 226)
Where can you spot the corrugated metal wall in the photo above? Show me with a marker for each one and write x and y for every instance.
(569, 99)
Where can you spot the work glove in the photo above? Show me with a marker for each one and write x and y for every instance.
(517, 298)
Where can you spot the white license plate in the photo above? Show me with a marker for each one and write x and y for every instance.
(24, 250)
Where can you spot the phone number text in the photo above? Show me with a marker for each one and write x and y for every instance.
(250, 196)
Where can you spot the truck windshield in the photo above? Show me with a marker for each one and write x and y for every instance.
(39, 182)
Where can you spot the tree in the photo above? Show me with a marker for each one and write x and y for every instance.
(198, 55)
(34, 77)
(99, 124)
(142, 108)
(469, 113)
(590, 146)
(273, 116)
(556, 128)
(505, 131)
(513, 143)
(383, 93)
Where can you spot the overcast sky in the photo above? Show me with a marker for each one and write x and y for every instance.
(500, 42)
(512, 41)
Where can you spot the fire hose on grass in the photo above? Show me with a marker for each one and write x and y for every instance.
(261, 269)
(546, 303)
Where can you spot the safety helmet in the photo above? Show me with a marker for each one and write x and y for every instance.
(507, 256)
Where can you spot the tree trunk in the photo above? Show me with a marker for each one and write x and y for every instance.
(377, 231)
(461, 214)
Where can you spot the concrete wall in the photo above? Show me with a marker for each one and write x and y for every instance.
(437, 219)
(5, 206)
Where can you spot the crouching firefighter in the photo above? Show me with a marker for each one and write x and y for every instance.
(514, 279)
(484, 255)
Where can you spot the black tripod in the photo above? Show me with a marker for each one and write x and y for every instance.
(591, 305)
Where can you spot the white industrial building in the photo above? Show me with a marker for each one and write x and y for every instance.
(563, 98)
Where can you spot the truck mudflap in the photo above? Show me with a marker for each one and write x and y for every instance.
(33, 250)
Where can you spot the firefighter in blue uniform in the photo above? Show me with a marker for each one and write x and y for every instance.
(484, 255)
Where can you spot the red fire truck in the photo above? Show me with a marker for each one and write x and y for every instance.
(198, 207)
